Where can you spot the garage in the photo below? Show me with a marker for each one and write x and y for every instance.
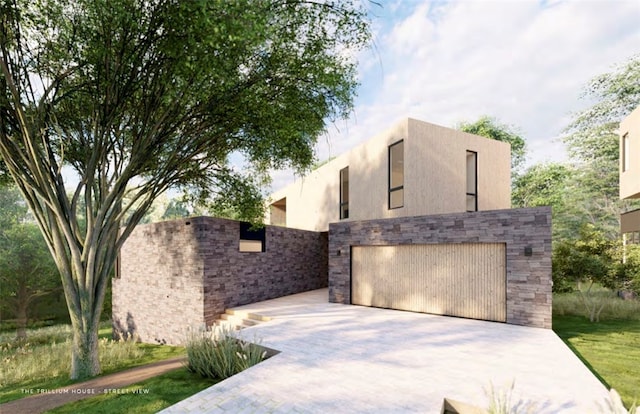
(457, 279)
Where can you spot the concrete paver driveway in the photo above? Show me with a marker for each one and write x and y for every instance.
(351, 359)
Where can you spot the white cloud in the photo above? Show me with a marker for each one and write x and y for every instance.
(524, 62)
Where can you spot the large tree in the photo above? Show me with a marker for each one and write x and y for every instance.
(592, 142)
(140, 96)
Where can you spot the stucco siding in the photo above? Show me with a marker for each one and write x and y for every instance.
(630, 173)
(434, 178)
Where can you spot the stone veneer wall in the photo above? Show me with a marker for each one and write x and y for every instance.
(528, 277)
(183, 273)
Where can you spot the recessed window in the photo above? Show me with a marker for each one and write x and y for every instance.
(344, 193)
(396, 175)
(278, 212)
(625, 152)
(472, 181)
(251, 239)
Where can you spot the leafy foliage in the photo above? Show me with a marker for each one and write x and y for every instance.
(594, 258)
(141, 96)
(588, 257)
(27, 271)
(592, 142)
(546, 185)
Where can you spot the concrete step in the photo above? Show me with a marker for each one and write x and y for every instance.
(248, 315)
(239, 319)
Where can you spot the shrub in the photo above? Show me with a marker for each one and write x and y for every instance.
(625, 274)
(220, 352)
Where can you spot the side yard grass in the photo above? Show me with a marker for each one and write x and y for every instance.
(609, 348)
(149, 396)
(43, 361)
(213, 354)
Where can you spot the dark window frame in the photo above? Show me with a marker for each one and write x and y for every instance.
(391, 190)
(343, 203)
(247, 232)
(623, 150)
(475, 193)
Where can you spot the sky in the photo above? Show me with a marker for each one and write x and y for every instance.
(524, 62)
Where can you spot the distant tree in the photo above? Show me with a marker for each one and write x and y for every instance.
(541, 185)
(588, 258)
(546, 185)
(27, 271)
(489, 127)
(141, 96)
(13, 210)
(592, 143)
(593, 257)
(175, 209)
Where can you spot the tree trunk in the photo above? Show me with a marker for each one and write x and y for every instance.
(84, 353)
(21, 321)
(22, 302)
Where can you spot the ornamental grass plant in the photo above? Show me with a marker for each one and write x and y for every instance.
(220, 352)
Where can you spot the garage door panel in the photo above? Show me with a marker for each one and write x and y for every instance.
(467, 280)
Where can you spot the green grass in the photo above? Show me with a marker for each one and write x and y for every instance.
(149, 396)
(609, 348)
(613, 308)
(43, 361)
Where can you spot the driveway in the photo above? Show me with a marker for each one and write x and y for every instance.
(351, 359)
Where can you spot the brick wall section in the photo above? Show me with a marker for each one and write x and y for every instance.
(295, 261)
(159, 291)
(528, 278)
(174, 275)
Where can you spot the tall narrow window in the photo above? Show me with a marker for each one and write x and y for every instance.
(625, 152)
(344, 193)
(472, 181)
(396, 175)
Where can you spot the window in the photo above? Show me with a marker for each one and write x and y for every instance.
(344, 193)
(278, 212)
(396, 175)
(625, 152)
(251, 240)
(472, 181)
(632, 237)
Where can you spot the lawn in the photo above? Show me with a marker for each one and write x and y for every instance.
(609, 348)
(149, 396)
(43, 361)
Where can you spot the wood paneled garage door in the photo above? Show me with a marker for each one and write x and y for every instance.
(467, 280)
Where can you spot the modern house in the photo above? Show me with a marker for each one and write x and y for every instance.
(417, 219)
(413, 169)
(630, 175)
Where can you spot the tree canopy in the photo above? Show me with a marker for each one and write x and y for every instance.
(140, 96)
(592, 143)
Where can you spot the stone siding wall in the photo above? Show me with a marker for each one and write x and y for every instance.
(158, 290)
(183, 273)
(528, 277)
(294, 261)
